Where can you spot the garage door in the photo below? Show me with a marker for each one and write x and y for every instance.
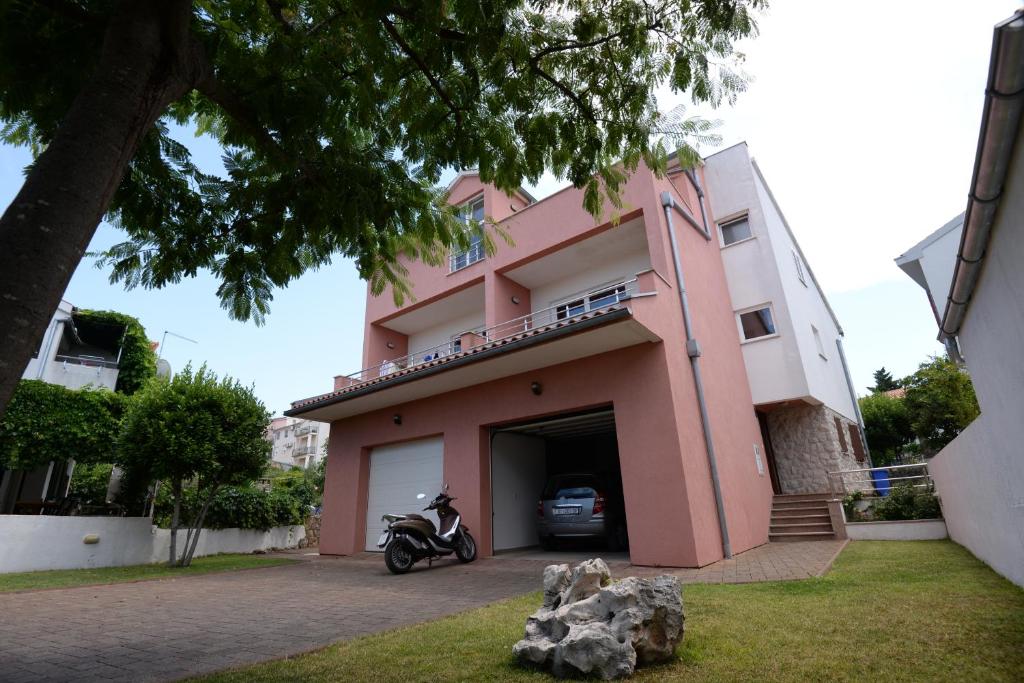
(397, 474)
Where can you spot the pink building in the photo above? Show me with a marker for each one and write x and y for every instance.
(568, 352)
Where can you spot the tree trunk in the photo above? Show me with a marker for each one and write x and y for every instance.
(148, 60)
(197, 526)
(175, 521)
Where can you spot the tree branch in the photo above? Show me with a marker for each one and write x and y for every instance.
(584, 108)
(424, 69)
(276, 7)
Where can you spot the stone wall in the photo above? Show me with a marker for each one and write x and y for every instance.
(807, 446)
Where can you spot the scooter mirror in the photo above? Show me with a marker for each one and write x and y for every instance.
(420, 496)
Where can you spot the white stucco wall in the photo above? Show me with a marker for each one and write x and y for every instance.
(593, 274)
(937, 262)
(805, 303)
(980, 474)
(774, 366)
(907, 530)
(443, 331)
(518, 470)
(42, 542)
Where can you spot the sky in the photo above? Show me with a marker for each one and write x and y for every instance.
(863, 117)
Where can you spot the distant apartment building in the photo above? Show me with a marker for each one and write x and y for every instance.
(296, 443)
(683, 353)
(75, 353)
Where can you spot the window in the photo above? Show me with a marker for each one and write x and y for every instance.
(842, 435)
(817, 342)
(799, 268)
(473, 210)
(735, 231)
(757, 323)
(594, 300)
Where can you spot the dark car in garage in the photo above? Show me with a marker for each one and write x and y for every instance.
(581, 506)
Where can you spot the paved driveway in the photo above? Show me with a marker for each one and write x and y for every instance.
(168, 629)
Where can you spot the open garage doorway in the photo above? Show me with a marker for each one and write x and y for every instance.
(556, 483)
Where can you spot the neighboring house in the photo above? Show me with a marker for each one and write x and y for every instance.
(75, 353)
(972, 271)
(296, 443)
(569, 352)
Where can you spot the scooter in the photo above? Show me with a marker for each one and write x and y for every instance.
(410, 538)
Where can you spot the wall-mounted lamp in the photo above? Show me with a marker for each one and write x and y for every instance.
(390, 345)
(515, 300)
(537, 388)
(396, 418)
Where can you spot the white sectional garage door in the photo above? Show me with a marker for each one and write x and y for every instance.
(397, 473)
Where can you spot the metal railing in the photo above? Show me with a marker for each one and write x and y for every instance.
(306, 429)
(565, 312)
(871, 485)
(304, 450)
(86, 360)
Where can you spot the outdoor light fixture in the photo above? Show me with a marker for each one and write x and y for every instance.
(536, 388)
(515, 300)
(397, 419)
(390, 345)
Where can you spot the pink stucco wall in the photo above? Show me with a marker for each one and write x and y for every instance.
(669, 498)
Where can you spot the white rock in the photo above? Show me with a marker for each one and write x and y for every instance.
(589, 625)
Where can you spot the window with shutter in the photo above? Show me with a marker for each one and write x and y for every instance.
(858, 446)
(841, 433)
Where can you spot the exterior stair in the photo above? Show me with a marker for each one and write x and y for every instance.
(801, 517)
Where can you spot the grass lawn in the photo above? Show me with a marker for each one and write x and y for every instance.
(68, 578)
(892, 611)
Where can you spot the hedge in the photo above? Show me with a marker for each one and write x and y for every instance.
(236, 507)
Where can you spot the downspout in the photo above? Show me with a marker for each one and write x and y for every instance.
(853, 397)
(700, 199)
(693, 351)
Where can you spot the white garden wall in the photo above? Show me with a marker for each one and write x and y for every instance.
(903, 530)
(41, 542)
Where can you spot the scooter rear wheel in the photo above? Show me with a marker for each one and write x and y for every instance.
(397, 557)
(465, 549)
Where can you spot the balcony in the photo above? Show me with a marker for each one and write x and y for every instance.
(596, 322)
(306, 429)
(304, 450)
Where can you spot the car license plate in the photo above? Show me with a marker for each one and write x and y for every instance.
(575, 510)
(383, 539)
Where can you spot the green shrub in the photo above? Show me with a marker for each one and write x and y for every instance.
(89, 483)
(236, 507)
(907, 502)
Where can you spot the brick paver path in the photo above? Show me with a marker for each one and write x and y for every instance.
(169, 629)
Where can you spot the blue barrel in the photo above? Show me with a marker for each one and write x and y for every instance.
(881, 480)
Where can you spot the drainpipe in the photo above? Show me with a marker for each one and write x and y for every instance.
(700, 200)
(853, 397)
(693, 351)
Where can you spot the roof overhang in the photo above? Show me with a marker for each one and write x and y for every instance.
(599, 333)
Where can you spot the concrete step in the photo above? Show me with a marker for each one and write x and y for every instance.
(825, 526)
(793, 497)
(822, 518)
(784, 536)
(800, 509)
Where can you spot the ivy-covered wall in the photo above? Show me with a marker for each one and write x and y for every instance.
(138, 361)
(45, 422)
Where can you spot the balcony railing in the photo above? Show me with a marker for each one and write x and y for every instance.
(306, 429)
(304, 450)
(596, 300)
(875, 482)
(86, 360)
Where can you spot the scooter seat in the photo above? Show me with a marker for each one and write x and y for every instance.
(413, 515)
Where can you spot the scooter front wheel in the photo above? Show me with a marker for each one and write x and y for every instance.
(465, 549)
(397, 557)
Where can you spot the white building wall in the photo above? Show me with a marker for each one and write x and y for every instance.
(774, 366)
(592, 275)
(518, 470)
(805, 303)
(443, 332)
(937, 263)
(980, 474)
